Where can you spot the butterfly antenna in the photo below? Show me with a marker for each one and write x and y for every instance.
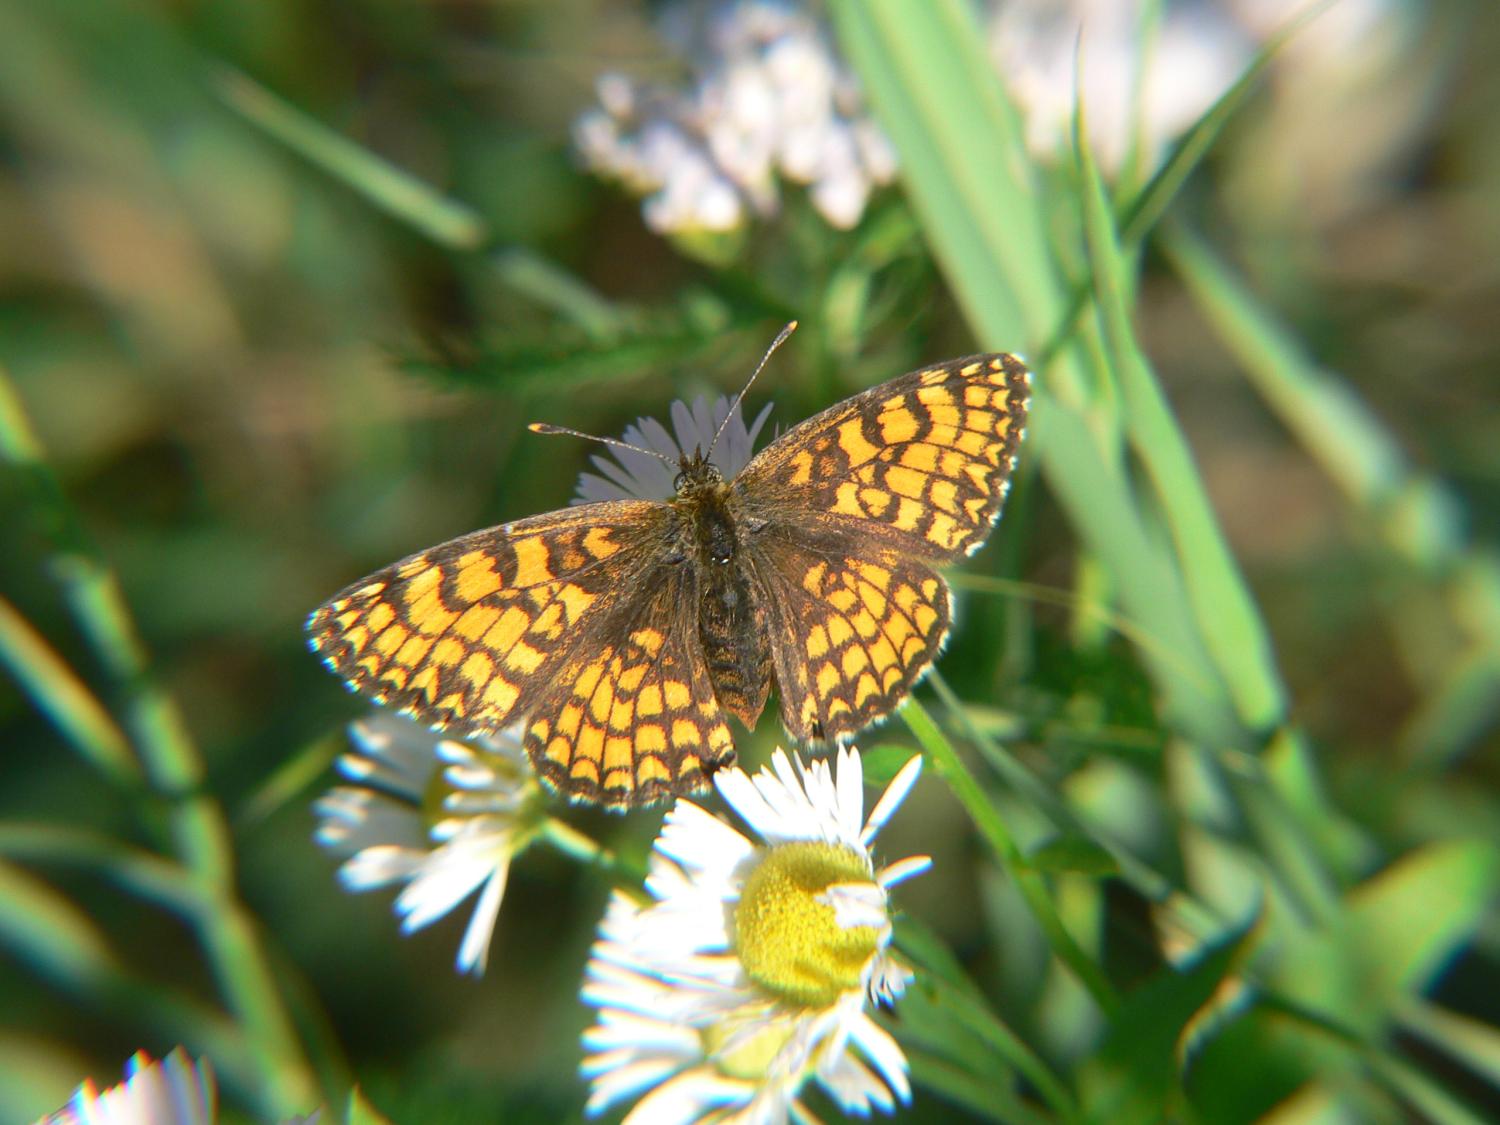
(548, 428)
(733, 406)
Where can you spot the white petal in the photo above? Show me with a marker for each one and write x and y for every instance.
(474, 951)
(894, 794)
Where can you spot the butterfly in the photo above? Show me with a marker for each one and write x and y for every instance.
(622, 633)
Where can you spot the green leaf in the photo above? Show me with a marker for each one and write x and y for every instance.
(1136, 1075)
(1395, 933)
(1075, 854)
(361, 1112)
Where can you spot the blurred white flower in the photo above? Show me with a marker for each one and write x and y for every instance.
(627, 475)
(1163, 83)
(767, 96)
(752, 968)
(442, 816)
(1197, 53)
(174, 1091)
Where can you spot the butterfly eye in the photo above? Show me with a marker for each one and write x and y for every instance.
(678, 482)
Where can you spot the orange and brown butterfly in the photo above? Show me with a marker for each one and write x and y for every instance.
(621, 633)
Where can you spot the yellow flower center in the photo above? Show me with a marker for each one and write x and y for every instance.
(790, 943)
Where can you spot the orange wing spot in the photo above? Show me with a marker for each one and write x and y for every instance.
(933, 375)
(650, 768)
(920, 456)
(630, 679)
(934, 395)
(853, 442)
(532, 566)
(685, 733)
(812, 581)
(524, 659)
(413, 650)
(476, 576)
(549, 623)
(843, 599)
(539, 730)
(981, 420)
(559, 750)
(590, 743)
(370, 664)
(905, 482)
(906, 597)
(898, 628)
(864, 689)
(875, 575)
(678, 696)
(617, 784)
(501, 696)
(584, 769)
(924, 617)
(396, 676)
(588, 679)
(617, 756)
(911, 650)
(651, 738)
(840, 632)
(621, 715)
(943, 494)
(390, 640)
(817, 642)
(447, 652)
(883, 656)
(908, 515)
(454, 702)
(846, 500)
(409, 569)
(602, 700)
(828, 680)
(508, 629)
(838, 706)
(575, 600)
(599, 544)
(949, 415)
(874, 501)
(429, 578)
(974, 508)
(802, 466)
(649, 701)
(969, 370)
(865, 624)
(930, 588)
(945, 532)
(973, 443)
(898, 426)
(649, 640)
(381, 615)
(977, 394)
(429, 613)
(426, 681)
(874, 600)
(570, 720)
(855, 661)
(475, 621)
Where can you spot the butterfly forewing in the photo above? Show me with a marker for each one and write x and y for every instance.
(462, 635)
(923, 461)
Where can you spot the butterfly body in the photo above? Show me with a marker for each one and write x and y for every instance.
(621, 633)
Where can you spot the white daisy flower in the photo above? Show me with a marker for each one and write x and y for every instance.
(768, 96)
(174, 1091)
(443, 817)
(627, 475)
(753, 967)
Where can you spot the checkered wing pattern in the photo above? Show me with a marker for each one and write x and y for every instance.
(851, 635)
(632, 718)
(922, 462)
(851, 506)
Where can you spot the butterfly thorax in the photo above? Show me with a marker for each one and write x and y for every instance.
(731, 622)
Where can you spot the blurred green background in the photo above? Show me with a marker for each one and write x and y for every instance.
(261, 365)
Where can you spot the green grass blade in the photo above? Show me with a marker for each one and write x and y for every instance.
(1226, 614)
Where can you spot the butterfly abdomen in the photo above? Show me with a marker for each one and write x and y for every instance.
(731, 621)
